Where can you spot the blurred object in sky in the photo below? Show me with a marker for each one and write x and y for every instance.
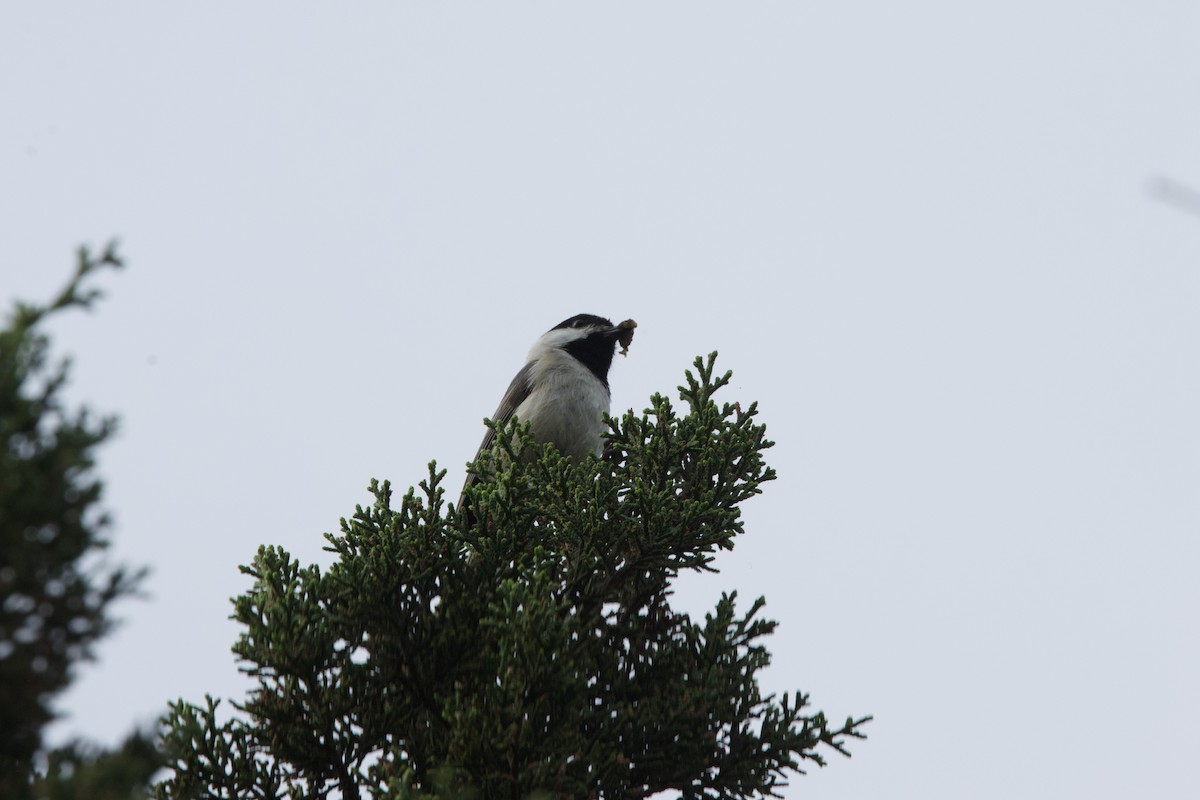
(1175, 194)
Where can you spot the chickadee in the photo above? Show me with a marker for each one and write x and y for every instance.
(562, 391)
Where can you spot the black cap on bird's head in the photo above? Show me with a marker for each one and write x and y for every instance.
(595, 342)
(584, 321)
(591, 339)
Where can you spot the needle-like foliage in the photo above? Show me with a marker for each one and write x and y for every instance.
(55, 593)
(529, 652)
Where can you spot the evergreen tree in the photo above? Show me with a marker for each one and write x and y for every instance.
(54, 594)
(82, 771)
(530, 651)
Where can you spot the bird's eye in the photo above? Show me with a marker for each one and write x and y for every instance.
(578, 323)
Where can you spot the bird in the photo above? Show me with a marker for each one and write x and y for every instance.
(562, 391)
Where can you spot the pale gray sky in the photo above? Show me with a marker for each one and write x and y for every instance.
(920, 234)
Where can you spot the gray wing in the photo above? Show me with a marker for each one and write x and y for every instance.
(518, 390)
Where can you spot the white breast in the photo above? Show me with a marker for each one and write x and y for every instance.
(566, 406)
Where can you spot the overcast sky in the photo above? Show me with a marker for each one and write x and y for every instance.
(930, 238)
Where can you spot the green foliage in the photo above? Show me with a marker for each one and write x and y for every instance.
(531, 652)
(55, 595)
(79, 771)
